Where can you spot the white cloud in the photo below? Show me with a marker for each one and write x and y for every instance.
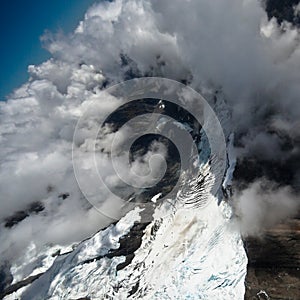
(262, 205)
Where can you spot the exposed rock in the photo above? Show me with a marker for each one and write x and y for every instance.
(283, 10)
(5, 276)
(17, 217)
(14, 287)
(63, 196)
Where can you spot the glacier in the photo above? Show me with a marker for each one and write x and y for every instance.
(184, 253)
(190, 255)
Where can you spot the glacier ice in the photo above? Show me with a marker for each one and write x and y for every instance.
(184, 254)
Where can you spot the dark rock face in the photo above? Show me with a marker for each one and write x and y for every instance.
(5, 276)
(143, 144)
(251, 169)
(129, 244)
(14, 287)
(283, 10)
(274, 263)
(33, 208)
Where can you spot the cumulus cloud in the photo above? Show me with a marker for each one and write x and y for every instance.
(262, 205)
(227, 45)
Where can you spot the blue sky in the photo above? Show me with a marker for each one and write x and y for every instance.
(23, 22)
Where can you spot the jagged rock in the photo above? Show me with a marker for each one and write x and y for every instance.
(17, 217)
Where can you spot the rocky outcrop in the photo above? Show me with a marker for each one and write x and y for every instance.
(283, 10)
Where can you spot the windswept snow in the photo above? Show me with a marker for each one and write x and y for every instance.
(185, 254)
